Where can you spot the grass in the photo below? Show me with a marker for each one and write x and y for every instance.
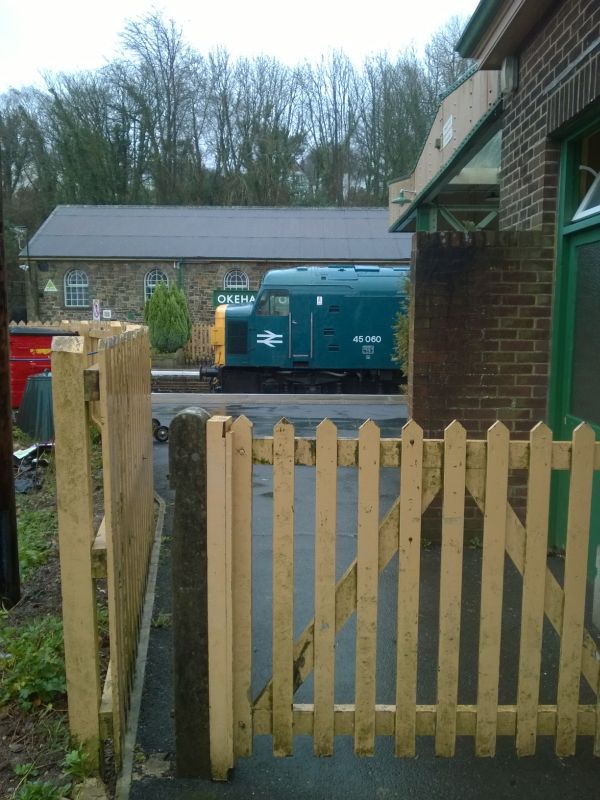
(32, 671)
(37, 530)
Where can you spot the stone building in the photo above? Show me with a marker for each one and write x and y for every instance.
(106, 260)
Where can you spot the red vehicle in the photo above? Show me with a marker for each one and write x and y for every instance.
(29, 355)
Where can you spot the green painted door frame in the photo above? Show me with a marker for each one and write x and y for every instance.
(574, 240)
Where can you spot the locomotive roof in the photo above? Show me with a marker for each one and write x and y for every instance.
(214, 233)
(333, 274)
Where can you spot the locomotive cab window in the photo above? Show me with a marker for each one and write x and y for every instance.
(273, 303)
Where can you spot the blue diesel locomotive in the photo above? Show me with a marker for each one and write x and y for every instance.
(312, 329)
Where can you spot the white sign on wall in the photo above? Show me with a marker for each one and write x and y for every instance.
(106, 313)
(448, 131)
(96, 310)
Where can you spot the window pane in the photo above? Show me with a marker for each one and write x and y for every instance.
(275, 303)
(152, 280)
(76, 288)
(585, 388)
(236, 279)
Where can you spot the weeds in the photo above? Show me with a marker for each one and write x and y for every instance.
(77, 765)
(32, 670)
(162, 620)
(40, 790)
(37, 531)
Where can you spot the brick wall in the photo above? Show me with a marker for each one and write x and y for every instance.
(559, 77)
(480, 317)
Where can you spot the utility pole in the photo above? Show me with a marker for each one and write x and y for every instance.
(10, 588)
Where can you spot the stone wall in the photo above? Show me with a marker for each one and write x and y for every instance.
(119, 285)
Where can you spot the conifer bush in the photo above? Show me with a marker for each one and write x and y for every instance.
(168, 319)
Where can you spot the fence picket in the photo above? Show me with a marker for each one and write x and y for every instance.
(242, 584)
(576, 557)
(409, 563)
(453, 512)
(367, 560)
(534, 570)
(283, 587)
(325, 548)
(492, 583)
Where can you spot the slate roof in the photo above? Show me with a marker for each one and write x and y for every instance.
(219, 233)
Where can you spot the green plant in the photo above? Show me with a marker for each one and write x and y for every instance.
(475, 543)
(26, 770)
(401, 330)
(102, 619)
(32, 670)
(77, 765)
(37, 531)
(19, 435)
(168, 319)
(162, 620)
(40, 790)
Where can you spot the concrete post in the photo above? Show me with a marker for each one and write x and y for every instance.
(187, 466)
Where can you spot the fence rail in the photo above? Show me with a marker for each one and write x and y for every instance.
(102, 376)
(455, 468)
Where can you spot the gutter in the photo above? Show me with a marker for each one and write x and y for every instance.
(481, 18)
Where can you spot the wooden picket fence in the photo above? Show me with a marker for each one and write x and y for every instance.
(455, 467)
(103, 376)
(199, 348)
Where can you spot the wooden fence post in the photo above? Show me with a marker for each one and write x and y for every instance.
(76, 534)
(187, 466)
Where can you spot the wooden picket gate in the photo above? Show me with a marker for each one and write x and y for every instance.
(103, 376)
(454, 467)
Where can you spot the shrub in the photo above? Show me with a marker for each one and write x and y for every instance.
(401, 329)
(168, 319)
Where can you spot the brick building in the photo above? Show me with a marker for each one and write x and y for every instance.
(115, 255)
(505, 322)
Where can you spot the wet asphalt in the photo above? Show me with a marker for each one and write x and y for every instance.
(344, 776)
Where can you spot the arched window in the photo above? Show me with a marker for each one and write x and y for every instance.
(151, 281)
(76, 288)
(236, 279)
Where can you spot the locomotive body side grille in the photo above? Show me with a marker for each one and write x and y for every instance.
(236, 339)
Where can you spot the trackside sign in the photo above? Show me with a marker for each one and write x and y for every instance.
(233, 298)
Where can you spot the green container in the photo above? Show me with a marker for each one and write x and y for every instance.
(35, 412)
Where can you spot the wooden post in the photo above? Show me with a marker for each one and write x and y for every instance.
(187, 467)
(10, 589)
(75, 536)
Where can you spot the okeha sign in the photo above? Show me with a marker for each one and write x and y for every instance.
(233, 298)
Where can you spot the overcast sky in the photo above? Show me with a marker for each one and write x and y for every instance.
(66, 36)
